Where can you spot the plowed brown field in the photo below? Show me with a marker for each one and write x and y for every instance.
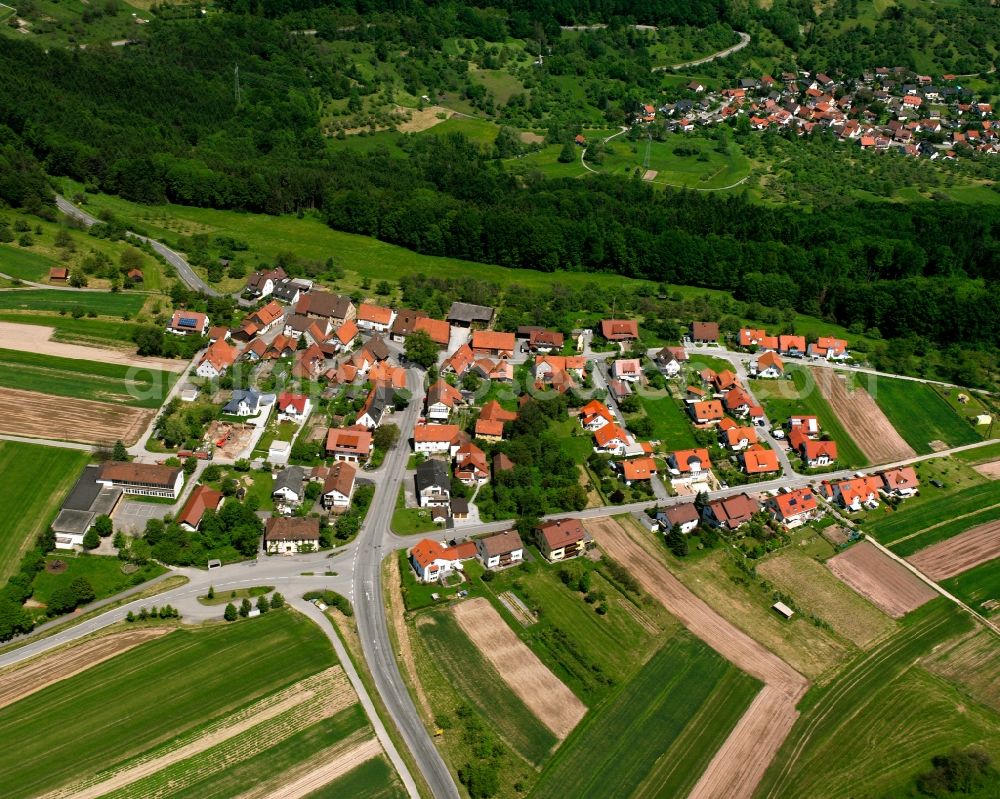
(28, 413)
(862, 418)
(955, 555)
(545, 695)
(880, 579)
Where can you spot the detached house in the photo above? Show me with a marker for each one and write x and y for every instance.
(561, 539)
(704, 332)
(188, 323)
(433, 484)
(375, 408)
(793, 508)
(351, 445)
(216, 360)
(689, 465)
(855, 494)
(731, 512)
(612, 439)
(293, 406)
(627, 370)
(261, 284)
(757, 460)
(501, 550)
(902, 482)
(432, 561)
(669, 359)
(338, 487)
(735, 436)
(685, 516)
(434, 438)
(471, 466)
(545, 341)
(832, 349)
(637, 469)
(708, 412)
(244, 402)
(595, 415)
(442, 399)
(808, 424)
(769, 366)
(286, 536)
(620, 329)
(202, 499)
(794, 346)
(814, 453)
(737, 402)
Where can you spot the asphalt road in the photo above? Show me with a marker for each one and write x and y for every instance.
(743, 42)
(175, 259)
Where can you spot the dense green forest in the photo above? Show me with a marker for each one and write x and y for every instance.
(162, 122)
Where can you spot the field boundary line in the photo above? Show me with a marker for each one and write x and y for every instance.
(936, 525)
(344, 761)
(942, 591)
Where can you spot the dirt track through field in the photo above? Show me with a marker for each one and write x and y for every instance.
(740, 763)
(28, 413)
(545, 695)
(324, 694)
(23, 680)
(36, 338)
(955, 555)
(862, 418)
(342, 762)
(880, 579)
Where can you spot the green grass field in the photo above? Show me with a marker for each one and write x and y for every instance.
(33, 483)
(940, 509)
(977, 585)
(657, 733)
(24, 264)
(704, 168)
(92, 380)
(103, 303)
(878, 721)
(920, 415)
(945, 531)
(103, 573)
(373, 779)
(987, 452)
(463, 666)
(116, 709)
(670, 424)
(101, 332)
(782, 399)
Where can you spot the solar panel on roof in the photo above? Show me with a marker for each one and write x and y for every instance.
(187, 321)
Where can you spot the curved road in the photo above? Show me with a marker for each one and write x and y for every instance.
(743, 42)
(172, 257)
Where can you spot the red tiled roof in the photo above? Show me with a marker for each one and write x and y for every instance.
(374, 313)
(492, 340)
(202, 498)
(437, 329)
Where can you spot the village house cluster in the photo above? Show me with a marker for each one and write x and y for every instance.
(881, 110)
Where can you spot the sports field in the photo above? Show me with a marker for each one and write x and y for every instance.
(34, 480)
(681, 161)
(920, 415)
(655, 735)
(802, 397)
(90, 380)
(103, 303)
(157, 698)
(878, 721)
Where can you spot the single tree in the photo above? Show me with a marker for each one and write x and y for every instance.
(211, 592)
(190, 464)
(245, 607)
(230, 613)
(119, 453)
(277, 601)
(91, 540)
(103, 525)
(420, 349)
(262, 604)
(567, 154)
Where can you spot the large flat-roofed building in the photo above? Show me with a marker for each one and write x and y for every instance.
(88, 500)
(144, 479)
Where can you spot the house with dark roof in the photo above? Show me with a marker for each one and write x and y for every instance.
(731, 512)
(287, 291)
(338, 487)
(244, 402)
(289, 485)
(375, 407)
(433, 484)
(704, 332)
(684, 515)
(404, 324)
(465, 314)
(327, 305)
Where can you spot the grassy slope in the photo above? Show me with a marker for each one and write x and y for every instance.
(24, 264)
(463, 666)
(624, 741)
(920, 415)
(33, 482)
(117, 708)
(104, 303)
(879, 720)
(92, 380)
(809, 402)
